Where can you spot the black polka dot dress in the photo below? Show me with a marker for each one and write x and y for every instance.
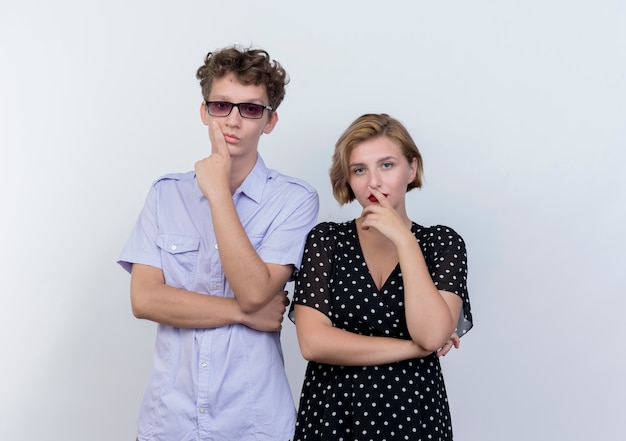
(398, 401)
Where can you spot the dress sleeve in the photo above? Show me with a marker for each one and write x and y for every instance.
(313, 280)
(448, 269)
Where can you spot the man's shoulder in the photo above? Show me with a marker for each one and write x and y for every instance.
(289, 181)
(175, 177)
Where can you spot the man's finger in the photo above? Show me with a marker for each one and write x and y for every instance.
(218, 143)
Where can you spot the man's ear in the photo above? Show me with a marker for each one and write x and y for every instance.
(204, 115)
(271, 123)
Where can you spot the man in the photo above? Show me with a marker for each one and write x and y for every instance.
(209, 258)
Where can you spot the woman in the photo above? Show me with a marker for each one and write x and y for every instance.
(377, 300)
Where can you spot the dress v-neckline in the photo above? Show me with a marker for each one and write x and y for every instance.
(362, 256)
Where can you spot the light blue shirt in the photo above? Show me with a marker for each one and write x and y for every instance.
(226, 383)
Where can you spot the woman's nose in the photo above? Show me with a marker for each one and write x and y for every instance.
(374, 179)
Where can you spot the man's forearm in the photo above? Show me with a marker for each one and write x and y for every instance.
(153, 300)
(251, 279)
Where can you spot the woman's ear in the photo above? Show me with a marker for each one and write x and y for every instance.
(412, 169)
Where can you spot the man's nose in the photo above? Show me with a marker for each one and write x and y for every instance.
(234, 118)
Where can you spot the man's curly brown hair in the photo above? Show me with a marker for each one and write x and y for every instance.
(250, 66)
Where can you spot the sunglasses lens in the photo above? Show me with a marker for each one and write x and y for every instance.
(219, 108)
(249, 110)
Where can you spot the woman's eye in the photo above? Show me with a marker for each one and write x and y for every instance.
(387, 165)
(357, 171)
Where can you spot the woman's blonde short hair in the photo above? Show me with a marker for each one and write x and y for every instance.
(364, 128)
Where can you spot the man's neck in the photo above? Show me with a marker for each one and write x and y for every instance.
(240, 169)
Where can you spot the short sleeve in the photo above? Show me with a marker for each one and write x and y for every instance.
(141, 246)
(313, 281)
(447, 263)
(283, 242)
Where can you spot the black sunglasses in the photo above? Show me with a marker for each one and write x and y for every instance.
(246, 110)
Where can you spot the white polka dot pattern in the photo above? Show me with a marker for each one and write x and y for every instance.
(399, 401)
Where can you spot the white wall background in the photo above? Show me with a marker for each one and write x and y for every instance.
(519, 109)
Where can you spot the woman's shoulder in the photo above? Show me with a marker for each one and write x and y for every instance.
(330, 226)
(332, 230)
(437, 234)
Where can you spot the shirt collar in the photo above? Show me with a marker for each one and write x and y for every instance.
(254, 183)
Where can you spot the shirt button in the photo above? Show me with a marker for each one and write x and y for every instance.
(201, 410)
(203, 364)
(214, 286)
(173, 248)
(216, 246)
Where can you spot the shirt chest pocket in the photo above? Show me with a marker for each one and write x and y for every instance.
(179, 257)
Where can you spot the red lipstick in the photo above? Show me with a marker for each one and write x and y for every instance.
(372, 198)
